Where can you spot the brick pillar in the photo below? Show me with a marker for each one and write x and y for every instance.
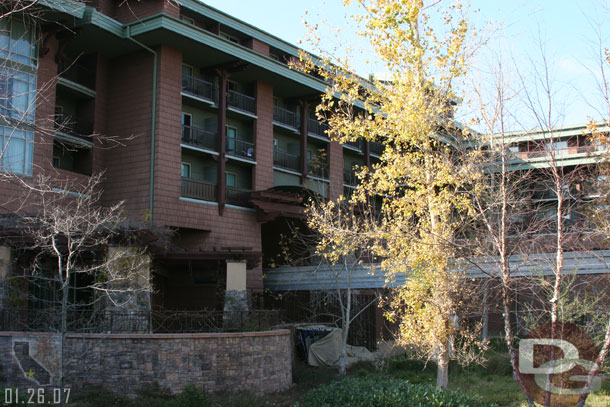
(336, 170)
(5, 264)
(223, 77)
(263, 172)
(130, 310)
(236, 296)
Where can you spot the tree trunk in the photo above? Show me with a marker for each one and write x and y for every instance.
(442, 374)
(345, 331)
(64, 328)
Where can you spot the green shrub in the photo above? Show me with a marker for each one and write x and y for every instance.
(191, 397)
(383, 391)
(402, 364)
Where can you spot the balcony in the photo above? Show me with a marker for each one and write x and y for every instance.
(560, 151)
(78, 74)
(199, 88)
(317, 128)
(72, 128)
(358, 144)
(197, 137)
(349, 177)
(241, 102)
(240, 148)
(237, 196)
(317, 169)
(376, 148)
(286, 160)
(285, 117)
(192, 188)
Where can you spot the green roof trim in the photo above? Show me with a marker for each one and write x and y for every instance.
(543, 162)
(165, 22)
(557, 133)
(94, 17)
(230, 21)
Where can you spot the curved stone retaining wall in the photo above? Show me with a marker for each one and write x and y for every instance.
(255, 362)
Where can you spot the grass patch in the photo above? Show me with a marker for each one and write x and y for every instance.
(385, 391)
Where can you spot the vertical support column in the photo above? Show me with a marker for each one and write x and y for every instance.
(367, 154)
(223, 76)
(335, 162)
(263, 171)
(128, 304)
(5, 264)
(236, 296)
(304, 116)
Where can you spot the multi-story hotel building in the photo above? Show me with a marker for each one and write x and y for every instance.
(218, 137)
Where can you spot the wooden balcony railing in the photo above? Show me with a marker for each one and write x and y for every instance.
(196, 189)
(315, 127)
(242, 102)
(349, 177)
(285, 117)
(199, 88)
(317, 169)
(197, 137)
(376, 147)
(286, 160)
(237, 196)
(240, 148)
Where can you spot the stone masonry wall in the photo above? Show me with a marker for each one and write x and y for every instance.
(255, 362)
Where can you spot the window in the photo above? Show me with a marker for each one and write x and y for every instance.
(229, 37)
(233, 86)
(513, 149)
(187, 70)
(231, 138)
(16, 150)
(17, 42)
(557, 145)
(230, 179)
(72, 157)
(276, 144)
(186, 127)
(276, 101)
(187, 20)
(186, 170)
(17, 94)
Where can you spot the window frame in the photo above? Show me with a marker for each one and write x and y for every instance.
(184, 165)
(232, 174)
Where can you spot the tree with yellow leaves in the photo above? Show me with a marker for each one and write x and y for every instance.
(423, 173)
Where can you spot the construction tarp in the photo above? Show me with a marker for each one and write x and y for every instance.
(327, 351)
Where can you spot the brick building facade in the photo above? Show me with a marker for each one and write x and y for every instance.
(218, 139)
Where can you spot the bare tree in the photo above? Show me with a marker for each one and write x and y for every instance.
(343, 247)
(90, 257)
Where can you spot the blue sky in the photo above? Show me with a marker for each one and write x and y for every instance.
(566, 29)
